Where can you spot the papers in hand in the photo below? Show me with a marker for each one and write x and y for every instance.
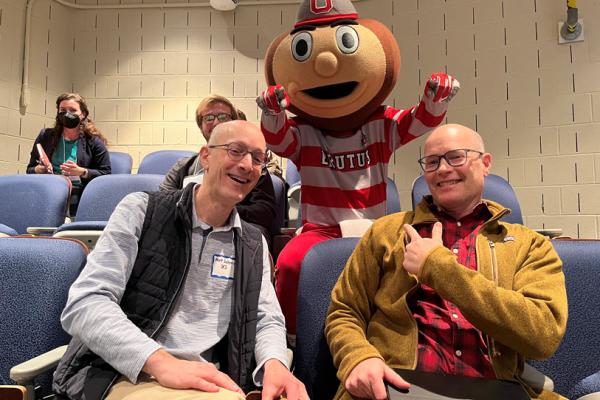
(43, 156)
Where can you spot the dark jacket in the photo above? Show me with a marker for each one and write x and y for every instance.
(258, 207)
(156, 280)
(91, 154)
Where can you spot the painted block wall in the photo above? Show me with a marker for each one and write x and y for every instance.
(144, 70)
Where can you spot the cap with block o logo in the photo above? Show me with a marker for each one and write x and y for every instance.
(319, 12)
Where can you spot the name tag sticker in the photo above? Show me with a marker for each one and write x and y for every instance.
(222, 267)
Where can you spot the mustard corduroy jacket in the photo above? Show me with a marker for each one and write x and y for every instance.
(517, 297)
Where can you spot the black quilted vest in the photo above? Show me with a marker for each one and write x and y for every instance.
(156, 279)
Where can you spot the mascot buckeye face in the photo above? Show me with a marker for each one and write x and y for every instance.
(337, 69)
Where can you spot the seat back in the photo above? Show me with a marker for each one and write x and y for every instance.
(33, 200)
(102, 194)
(292, 175)
(495, 188)
(281, 206)
(160, 162)
(321, 268)
(392, 197)
(35, 276)
(120, 163)
(577, 359)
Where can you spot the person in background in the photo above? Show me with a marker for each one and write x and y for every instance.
(447, 288)
(75, 147)
(176, 300)
(258, 207)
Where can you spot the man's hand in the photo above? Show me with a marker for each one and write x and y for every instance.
(274, 100)
(279, 380)
(181, 374)
(419, 248)
(441, 88)
(366, 380)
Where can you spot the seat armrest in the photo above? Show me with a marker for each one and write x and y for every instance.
(550, 233)
(591, 396)
(88, 237)
(83, 226)
(26, 371)
(536, 379)
(41, 230)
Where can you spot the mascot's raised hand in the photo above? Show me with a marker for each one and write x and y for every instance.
(439, 90)
(274, 100)
(441, 87)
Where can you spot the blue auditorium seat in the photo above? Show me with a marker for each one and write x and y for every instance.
(160, 162)
(35, 276)
(575, 367)
(321, 268)
(281, 207)
(33, 201)
(98, 201)
(292, 175)
(120, 163)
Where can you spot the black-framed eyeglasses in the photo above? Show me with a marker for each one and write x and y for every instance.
(222, 117)
(237, 152)
(454, 158)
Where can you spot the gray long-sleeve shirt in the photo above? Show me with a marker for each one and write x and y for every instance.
(201, 315)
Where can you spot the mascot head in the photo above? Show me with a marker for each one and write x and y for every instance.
(336, 68)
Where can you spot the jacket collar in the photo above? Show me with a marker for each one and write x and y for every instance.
(424, 215)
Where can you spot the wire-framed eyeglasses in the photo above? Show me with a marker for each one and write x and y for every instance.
(237, 152)
(454, 158)
(222, 117)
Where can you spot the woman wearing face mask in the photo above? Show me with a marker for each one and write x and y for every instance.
(74, 146)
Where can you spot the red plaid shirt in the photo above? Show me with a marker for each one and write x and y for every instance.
(448, 343)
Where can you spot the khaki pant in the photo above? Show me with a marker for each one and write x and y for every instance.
(151, 390)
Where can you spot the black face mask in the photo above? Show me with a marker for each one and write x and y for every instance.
(68, 120)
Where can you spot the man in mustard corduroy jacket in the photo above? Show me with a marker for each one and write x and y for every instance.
(448, 287)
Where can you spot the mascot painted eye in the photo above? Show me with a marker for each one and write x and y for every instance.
(334, 70)
(302, 46)
(347, 39)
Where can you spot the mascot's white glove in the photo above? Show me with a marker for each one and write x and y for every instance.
(441, 88)
(274, 100)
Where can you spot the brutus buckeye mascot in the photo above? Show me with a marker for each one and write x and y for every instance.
(333, 70)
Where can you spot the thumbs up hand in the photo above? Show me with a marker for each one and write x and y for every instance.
(419, 248)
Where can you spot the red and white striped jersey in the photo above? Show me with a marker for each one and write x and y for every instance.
(344, 178)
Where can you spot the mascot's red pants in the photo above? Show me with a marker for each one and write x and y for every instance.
(289, 262)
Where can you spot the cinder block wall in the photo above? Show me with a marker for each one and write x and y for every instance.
(143, 71)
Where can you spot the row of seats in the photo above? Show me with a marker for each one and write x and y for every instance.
(40, 200)
(36, 274)
(31, 202)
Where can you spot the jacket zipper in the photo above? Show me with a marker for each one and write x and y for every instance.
(491, 343)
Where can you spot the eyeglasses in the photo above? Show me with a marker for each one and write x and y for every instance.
(454, 158)
(222, 117)
(237, 152)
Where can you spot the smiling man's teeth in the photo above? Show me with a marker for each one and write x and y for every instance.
(448, 183)
(238, 179)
